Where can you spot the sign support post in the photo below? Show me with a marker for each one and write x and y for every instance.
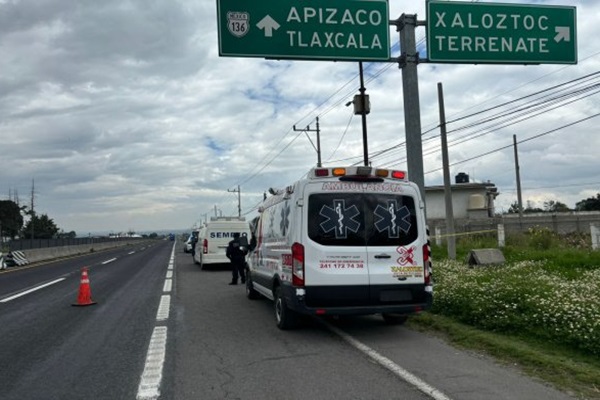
(412, 111)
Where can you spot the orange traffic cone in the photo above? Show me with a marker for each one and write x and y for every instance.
(85, 294)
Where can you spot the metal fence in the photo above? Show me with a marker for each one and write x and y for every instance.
(27, 244)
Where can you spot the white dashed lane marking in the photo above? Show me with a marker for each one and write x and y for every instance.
(149, 388)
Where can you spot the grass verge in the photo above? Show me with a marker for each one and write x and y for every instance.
(570, 371)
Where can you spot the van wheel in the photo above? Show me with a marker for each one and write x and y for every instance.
(286, 318)
(251, 293)
(394, 319)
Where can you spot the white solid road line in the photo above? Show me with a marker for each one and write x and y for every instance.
(390, 365)
(16, 296)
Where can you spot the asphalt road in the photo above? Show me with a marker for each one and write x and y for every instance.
(164, 329)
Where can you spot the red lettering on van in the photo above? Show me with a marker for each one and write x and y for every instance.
(286, 260)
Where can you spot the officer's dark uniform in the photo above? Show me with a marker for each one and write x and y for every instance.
(236, 252)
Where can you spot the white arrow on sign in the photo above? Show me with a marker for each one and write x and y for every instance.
(562, 33)
(268, 24)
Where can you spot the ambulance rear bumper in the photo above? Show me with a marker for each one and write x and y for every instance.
(358, 300)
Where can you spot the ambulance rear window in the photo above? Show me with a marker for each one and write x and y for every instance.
(358, 219)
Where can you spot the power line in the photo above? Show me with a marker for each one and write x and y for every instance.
(522, 141)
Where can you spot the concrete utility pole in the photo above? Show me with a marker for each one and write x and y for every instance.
(318, 148)
(239, 192)
(450, 237)
(32, 207)
(239, 199)
(410, 86)
(363, 113)
(519, 198)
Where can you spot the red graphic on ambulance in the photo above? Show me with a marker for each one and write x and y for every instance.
(407, 255)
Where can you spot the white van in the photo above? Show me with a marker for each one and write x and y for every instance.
(214, 237)
(343, 241)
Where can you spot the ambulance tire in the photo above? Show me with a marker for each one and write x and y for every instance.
(394, 319)
(251, 293)
(286, 319)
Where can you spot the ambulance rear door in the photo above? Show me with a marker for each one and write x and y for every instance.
(396, 238)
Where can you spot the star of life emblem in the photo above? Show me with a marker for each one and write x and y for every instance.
(340, 219)
(392, 219)
(238, 23)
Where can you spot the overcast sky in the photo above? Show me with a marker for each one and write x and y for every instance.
(126, 118)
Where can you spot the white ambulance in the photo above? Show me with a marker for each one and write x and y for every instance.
(343, 241)
(214, 237)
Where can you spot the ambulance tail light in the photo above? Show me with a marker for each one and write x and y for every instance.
(321, 172)
(297, 264)
(427, 264)
(205, 246)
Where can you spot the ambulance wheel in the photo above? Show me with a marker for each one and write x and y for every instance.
(251, 293)
(286, 318)
(394, 319)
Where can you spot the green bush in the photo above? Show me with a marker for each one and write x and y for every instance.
(541, 238)
(548, 289)
(524, 298)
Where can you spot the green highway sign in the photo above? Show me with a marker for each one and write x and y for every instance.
(499, 33)
(304, 29)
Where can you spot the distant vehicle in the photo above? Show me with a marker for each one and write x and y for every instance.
(343, 241)
(214, 237)
(171, 237)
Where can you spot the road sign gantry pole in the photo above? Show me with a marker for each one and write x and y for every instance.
(409, 59)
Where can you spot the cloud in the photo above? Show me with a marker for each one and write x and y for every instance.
(125, 116)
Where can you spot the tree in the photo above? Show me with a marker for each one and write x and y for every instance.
(11, 220)
(531, 209)
(67, 235)
(44, 227)
(589, 204)
(514, 208)
(555, 206)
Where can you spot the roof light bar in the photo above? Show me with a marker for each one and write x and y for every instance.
(363, 171)
(399, 175)
(338, 171)
(384, 173)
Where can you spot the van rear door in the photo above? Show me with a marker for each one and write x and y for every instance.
(336, 254)
(394, 248)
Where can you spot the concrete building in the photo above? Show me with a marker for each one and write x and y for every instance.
(469, 200)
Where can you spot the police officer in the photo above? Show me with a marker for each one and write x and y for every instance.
(236, 252)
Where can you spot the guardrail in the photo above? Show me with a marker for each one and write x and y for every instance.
(17, 258)
(26, 244)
